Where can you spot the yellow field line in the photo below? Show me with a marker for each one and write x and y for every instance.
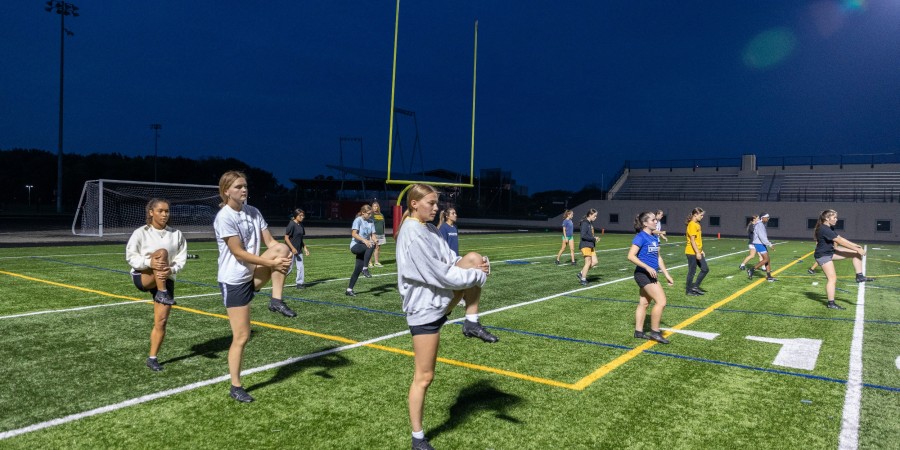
(312, 334)
(612, 365)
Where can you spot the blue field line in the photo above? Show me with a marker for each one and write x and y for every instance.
(197, 283)
(692, 358)
(741, 311)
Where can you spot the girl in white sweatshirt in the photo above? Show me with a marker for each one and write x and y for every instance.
(432, 280)
(156, 253)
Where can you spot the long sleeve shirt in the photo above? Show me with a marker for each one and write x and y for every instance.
(146, 240)
(760, 236)
(427, 273)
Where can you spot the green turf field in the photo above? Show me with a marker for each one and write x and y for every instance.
(567, 372)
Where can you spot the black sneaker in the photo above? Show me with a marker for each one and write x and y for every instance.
(771, 279)
(557, 262)
(692, 293)
(698, 291)
(583, 281)
(300, 286)
(238, 393)
(474, 329)
(280, 307)
(863, 279)
(163, 298)
(750, 273)
(573, 263)
(366, 273)
(639, 335)
(742, 268)
(421, 444)
(657, 336)
(810, 271)
(350, 293)
(833, 305)
(154, 365)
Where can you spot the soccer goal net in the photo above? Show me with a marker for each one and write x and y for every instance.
(118, 207)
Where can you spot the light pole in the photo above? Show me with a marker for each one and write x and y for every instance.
(64, 9)
(29, 186)
(155, 127)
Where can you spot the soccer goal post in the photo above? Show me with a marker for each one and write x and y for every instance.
(109, 207)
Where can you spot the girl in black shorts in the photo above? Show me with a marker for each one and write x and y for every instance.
(644, 253)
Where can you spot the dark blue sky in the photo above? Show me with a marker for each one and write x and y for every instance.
(567, 91)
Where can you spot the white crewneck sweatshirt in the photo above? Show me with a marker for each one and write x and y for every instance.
(427, 274)
(146, 240)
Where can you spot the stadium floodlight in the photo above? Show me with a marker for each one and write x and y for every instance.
(29, 186)
(155, 127)
(64, 9)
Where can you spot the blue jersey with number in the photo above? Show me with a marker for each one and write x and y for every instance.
(648, 251)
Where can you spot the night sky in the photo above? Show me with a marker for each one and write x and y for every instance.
(567, 91)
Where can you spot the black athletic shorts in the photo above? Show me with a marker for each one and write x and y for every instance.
(136, 279)
(642, 277)
(235, 295)
(428, 328)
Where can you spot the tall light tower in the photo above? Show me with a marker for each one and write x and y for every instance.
(155, 127)
(29, 187)
(64, 9)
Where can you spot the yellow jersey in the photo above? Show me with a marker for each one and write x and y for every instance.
(693, 229)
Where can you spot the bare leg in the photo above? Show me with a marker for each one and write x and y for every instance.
(263, 274)
(160, 317)
(157, 257)
(641, 312)
(831, 275)
(655, 291)
(425, 348)
(239, 318)
(571, 250)
(749, 257)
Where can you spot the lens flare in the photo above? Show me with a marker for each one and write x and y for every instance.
(769, 48)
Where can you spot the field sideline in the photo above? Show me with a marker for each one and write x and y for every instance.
(750, 364)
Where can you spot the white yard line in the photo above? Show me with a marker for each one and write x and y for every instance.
(80, 308)
(849, 439)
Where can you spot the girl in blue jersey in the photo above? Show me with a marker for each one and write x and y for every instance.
(568, 236)
(448, 230)
(644, 253)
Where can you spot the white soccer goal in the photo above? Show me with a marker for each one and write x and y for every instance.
(118, 207)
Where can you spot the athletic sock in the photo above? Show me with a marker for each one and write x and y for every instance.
(275, 300)
(859, 274)
(472, 318)
(151, 357)
(418, 434)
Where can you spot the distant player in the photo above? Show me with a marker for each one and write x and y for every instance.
(826, 253)
(568, 238)
(362, 244)
(428, 273)
(448, 229)
(587, 244)
(293, 238)
(644, 253)
(380, 239)
(658, 232)
(156, 253)
(240, 232)
(750, 233)
(694, 253)
(762, 244)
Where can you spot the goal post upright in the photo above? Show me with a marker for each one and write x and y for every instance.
(398, 208)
